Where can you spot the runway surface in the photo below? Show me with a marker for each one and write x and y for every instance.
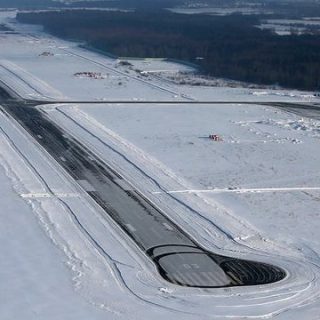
(177, 256)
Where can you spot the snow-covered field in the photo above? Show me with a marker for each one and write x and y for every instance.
(266, 167)
(288, 26)
(222, 11)
(63, 258)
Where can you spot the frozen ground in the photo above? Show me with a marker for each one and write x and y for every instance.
(63, 258)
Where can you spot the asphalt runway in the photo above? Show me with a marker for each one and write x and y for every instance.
(178, 257)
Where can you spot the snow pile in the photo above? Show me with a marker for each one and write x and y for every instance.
(309, 126)
(285, 93)
(91, 75)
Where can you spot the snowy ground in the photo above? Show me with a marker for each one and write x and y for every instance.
(222, 11)
(63, 258)
(28, 289)
(286, 27)
(243, 183)
(262, 148)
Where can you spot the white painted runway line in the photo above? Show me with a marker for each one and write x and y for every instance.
(240, 190)
(49, 195)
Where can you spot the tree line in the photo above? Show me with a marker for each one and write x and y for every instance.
(228, 46)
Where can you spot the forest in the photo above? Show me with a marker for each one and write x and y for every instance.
(125, 4)
(223, 46)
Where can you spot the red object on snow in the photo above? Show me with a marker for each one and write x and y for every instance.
(215, 137)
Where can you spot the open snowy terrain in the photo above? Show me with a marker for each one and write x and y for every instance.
(64, 258)
(265, 163)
